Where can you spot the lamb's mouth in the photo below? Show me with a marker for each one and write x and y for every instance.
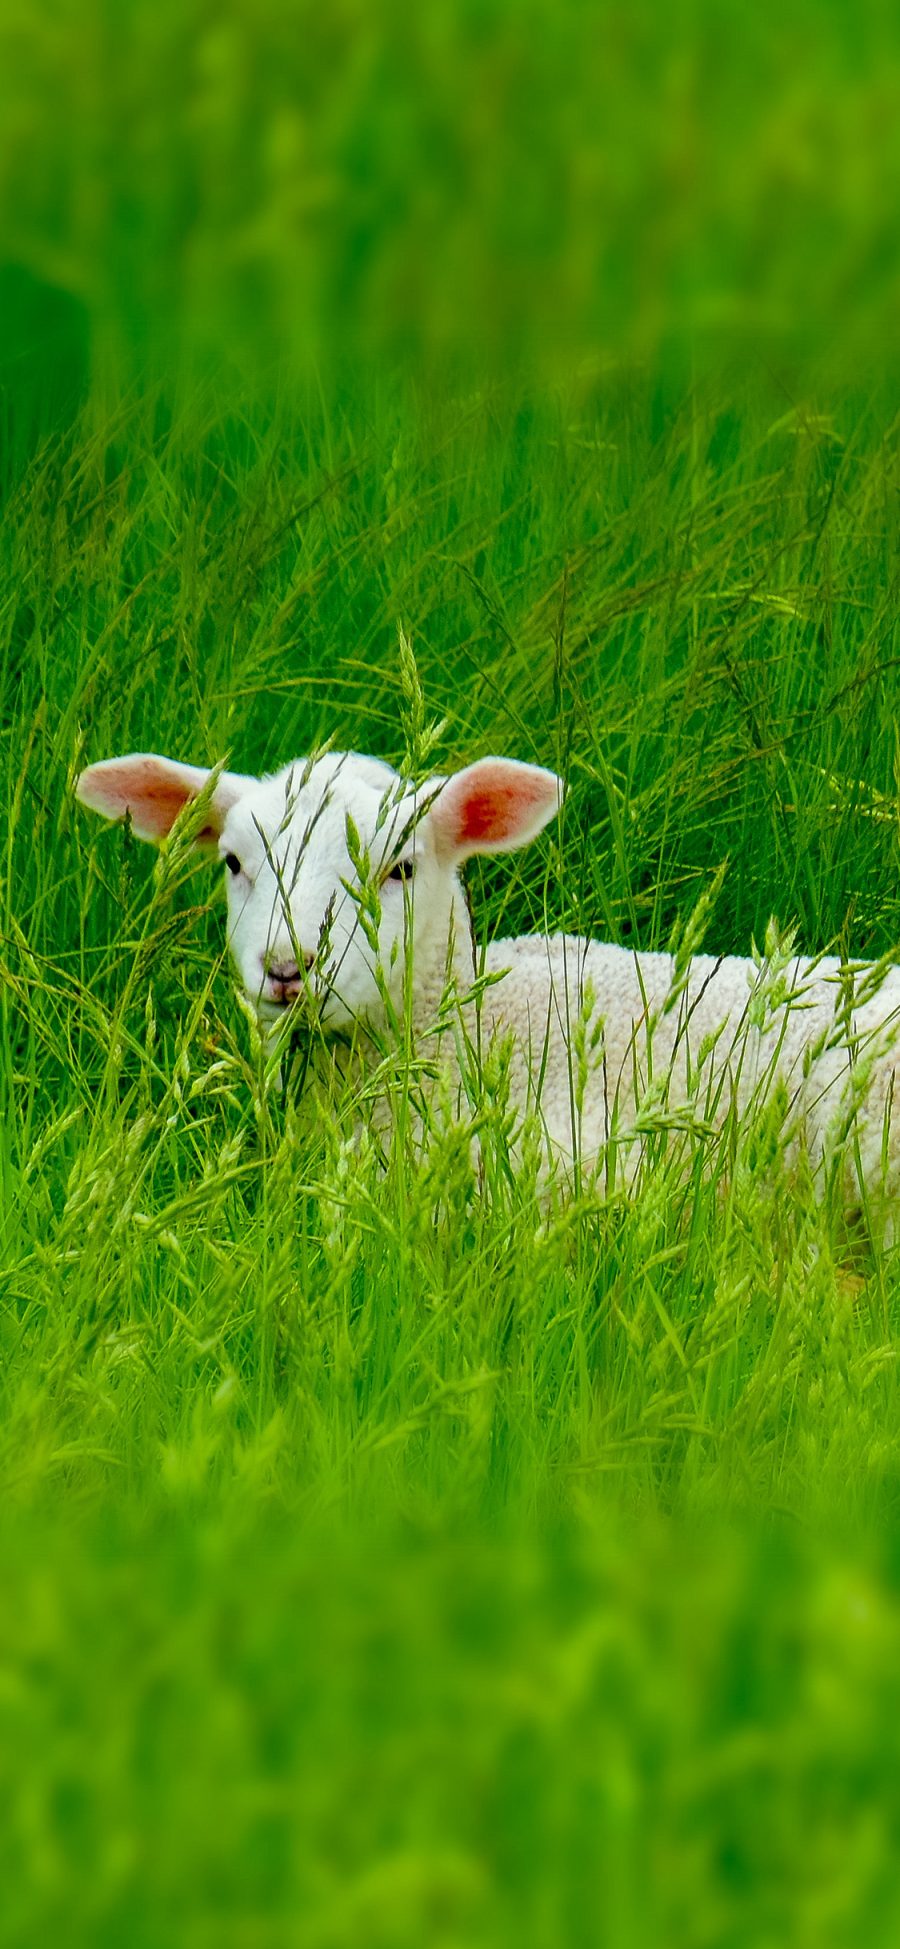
(299, 1005)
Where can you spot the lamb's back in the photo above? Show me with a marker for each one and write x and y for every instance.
(700, 1038)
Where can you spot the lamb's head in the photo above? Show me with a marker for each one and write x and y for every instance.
(340, 874)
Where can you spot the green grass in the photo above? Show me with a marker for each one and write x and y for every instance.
(225, 1731)
(384, 1562)
(491, 181)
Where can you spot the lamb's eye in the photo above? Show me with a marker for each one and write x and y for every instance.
(401, 870)
(233, 863)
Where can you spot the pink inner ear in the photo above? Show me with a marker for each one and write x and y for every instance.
(157, 807)
(153, 790)
(489, 815)
(494, 806)
(153, 799)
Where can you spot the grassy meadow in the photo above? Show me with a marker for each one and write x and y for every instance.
(385, 1561)
(388, 1560)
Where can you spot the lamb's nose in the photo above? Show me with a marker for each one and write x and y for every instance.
(283, 967)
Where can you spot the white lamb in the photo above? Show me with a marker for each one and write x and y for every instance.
(346, 909)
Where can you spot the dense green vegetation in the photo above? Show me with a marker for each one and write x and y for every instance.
(385, 1559)
(252, 1387)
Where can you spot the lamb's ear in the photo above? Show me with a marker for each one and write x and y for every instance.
(493, 807)
(154, 790)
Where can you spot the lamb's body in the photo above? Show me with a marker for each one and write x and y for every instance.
(703, 1043)
(346, 908)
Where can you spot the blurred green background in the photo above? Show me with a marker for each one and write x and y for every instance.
(278, 186)
(524, 1586)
